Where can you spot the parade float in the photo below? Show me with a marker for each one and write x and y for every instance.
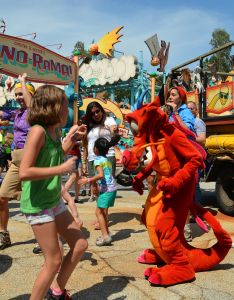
(215, 102)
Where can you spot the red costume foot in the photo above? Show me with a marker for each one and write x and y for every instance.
(149, 256)
(170, 275)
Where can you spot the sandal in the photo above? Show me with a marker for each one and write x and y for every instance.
(96, 226)
(104, 241)
(94, 222)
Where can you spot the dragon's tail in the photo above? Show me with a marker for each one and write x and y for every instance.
(204, 259)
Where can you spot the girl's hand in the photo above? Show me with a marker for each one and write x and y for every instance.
(83, 181)
(78, 222)
(173, 106)
(22, 78)
(68, 166)
(84, 169)
(116, 130)
(80, 132)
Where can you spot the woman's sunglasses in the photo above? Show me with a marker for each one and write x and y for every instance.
(97, 111)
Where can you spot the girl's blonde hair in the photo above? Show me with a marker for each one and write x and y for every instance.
(45, 106)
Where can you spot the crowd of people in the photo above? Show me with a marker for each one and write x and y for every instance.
(41, 155)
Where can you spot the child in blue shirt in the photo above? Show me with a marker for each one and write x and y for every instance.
(106, 183)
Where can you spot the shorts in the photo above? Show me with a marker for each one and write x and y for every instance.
(106, 200)
(91, 166)
(11, 186)
(78, 163)
(46, 215)
(3, 161)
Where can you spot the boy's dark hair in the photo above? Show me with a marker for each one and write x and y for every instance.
(103, 145)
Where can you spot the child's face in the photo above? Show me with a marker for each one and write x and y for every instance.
(19, 97)
(64, 112)
(95, 150)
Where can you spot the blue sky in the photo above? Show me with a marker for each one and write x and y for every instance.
(187, 25)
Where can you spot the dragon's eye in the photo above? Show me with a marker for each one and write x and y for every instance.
(134, 127)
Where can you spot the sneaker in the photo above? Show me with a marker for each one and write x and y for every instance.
(104, 241)
(188, 235)
(100, 236)
(91, 199)
(232, 245)
(83, 193)
(5, 240)
(64, 296)
(37, 249)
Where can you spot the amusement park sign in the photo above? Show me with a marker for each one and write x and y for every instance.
(19, 56)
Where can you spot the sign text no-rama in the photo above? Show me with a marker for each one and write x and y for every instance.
(42, 65)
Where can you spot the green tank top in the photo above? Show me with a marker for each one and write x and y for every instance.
(46, 193)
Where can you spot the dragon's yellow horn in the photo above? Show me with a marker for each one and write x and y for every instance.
(108, 40)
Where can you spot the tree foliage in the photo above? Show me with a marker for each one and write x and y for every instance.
(219, 38)
(79, 46)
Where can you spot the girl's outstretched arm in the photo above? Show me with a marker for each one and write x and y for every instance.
(99, 176)
(26, 94)
(67, 197)
(35, 142)
(78, 132)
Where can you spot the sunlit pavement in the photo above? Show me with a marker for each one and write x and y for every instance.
(113, 272)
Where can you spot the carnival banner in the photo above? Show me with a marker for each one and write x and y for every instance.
(219, 98)
(19, 56)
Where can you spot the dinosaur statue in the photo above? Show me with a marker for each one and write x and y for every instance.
(162, 147)
(163, 58)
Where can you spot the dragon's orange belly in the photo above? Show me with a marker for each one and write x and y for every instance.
(152, 208)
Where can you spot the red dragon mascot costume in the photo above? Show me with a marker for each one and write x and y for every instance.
(159, 145)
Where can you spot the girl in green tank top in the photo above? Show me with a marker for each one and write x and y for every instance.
(40, 170)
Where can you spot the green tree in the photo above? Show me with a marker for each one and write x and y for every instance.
(219, 38)
(79, 46)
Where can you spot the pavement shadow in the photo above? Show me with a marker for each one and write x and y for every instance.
(111, 285)
(88, 256)
(120, 217)
(5, 263)
(32, 241)
(21, 297)
(125, 234)
(222, 267)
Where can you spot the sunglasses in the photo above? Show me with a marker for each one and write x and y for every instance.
(97, 111)
(225, 96)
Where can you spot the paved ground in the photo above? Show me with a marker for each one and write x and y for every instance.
(112, 272)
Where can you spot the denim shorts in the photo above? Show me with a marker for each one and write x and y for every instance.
(78, 164)
(46, 215)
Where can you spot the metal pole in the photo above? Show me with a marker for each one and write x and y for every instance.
(204, 95)
(200, 98)
(76, 89)
(203, 56)
(132, 97)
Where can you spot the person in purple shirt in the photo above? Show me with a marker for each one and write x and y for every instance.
(11, 186)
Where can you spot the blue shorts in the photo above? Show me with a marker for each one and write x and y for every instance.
(106, 200)
(78, 164)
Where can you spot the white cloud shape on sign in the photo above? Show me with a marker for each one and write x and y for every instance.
(106, 71)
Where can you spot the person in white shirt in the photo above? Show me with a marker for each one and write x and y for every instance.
(98, 125)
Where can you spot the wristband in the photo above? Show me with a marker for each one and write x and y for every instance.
(88, 180)
(73, 139)
(84, 162)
